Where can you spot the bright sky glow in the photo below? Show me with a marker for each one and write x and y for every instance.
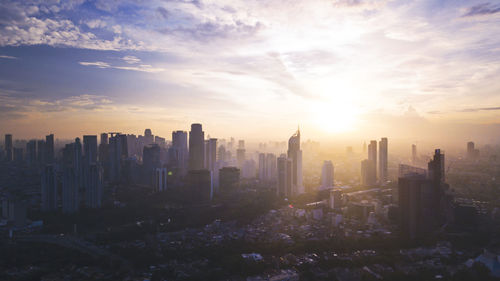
(246, 68)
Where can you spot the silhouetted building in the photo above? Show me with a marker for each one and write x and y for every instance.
(94, 187)
(372, 156)
(200, 185)
(40, 152)
(262, 167)
(368, 173)
(424, 204)
(31, 152)
(72, 177)
(240, 157)
(414, 153)
(229, 179)
(8, 147)
(335, 199)
(327, 175)
(285, 176)
(383, 160)
(150, 162)
(210, 154)
(160, 179)
(117, 150)
(271, 167)
(472, 152)
(196, 147)
(295, 154)
(18, 155)
(49, 188)
(180, 151)
(49, 149)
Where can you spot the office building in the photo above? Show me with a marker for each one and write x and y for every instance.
(472, 152)
(49, 188)
(181, 153)
(94, 187)
(262, 167)
(229, 179)
(327, 175)
(40, 152)
(196, 147)
(271, 167)
(31, 152)
(285, 176)
(335, 199)
(8, 147)
(372, 156)
(49, 149)
(200, 185)
(383, 154)
(368, 173)
(240, 157)
(210, 154)
(160, 179)
(295, 154)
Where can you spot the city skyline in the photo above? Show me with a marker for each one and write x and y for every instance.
(347, 68)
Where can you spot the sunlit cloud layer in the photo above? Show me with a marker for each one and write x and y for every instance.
(334, 67)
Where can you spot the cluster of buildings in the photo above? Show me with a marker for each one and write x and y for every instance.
(370, 166)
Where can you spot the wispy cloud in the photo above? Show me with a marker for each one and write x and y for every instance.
(482, 9)
(136, 67)
(7, 57)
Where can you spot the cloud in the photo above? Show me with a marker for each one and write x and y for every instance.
(482, 9)
(479, 109)
(96, 23)
(8, 57)
(131, 59)
(138, 67)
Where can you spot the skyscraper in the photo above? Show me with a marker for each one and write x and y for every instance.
(40, 152)
(49, 148)
(148, 137)
(196, 147)
(210, 154)
(295, 154)
(368, 173)
(327, 175)
(181, 153)
(262, 167)
(271, 167)
(72, 176)
(285, 176)
(94, 187)
(383, 160)
(49, 188)
(92, 173)
(372, 156)
(8, 147)
(229, 178)
(115, 157)
(472, 152)
(414, 153)
(31, 152)
(160, 179)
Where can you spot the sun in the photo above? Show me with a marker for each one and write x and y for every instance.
(334, 117)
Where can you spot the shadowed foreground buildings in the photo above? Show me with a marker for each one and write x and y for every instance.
(424, 201)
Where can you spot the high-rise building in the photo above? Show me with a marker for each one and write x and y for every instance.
(414, 153)
(148, 137)
(94, 187)
(295, 154)
(8, 147)
(40, 152)
(72, 176)
(368, 173)
(423, 201)
(196, 147)
(200, 185)
(31, 152)
(18, 155)
(49, 149)
(472, 152)
(49, 188)
(180, 146)
(262, 167)
(160, 179)
(327, 175)
(114, 157)
(210, 154)
(229, 179)
(271, 167)
(285, 176)
(335, 199)
(104, 138)
(90, 149)
(383, 160)
(240, 157)
(150, 162)
(372, 155)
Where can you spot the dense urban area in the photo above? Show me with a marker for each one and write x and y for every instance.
(200, 208)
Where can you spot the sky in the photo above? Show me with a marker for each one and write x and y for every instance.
(252, 69)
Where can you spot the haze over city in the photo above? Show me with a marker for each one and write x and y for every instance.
(249, 140)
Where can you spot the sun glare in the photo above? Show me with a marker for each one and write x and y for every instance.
(334, 118)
